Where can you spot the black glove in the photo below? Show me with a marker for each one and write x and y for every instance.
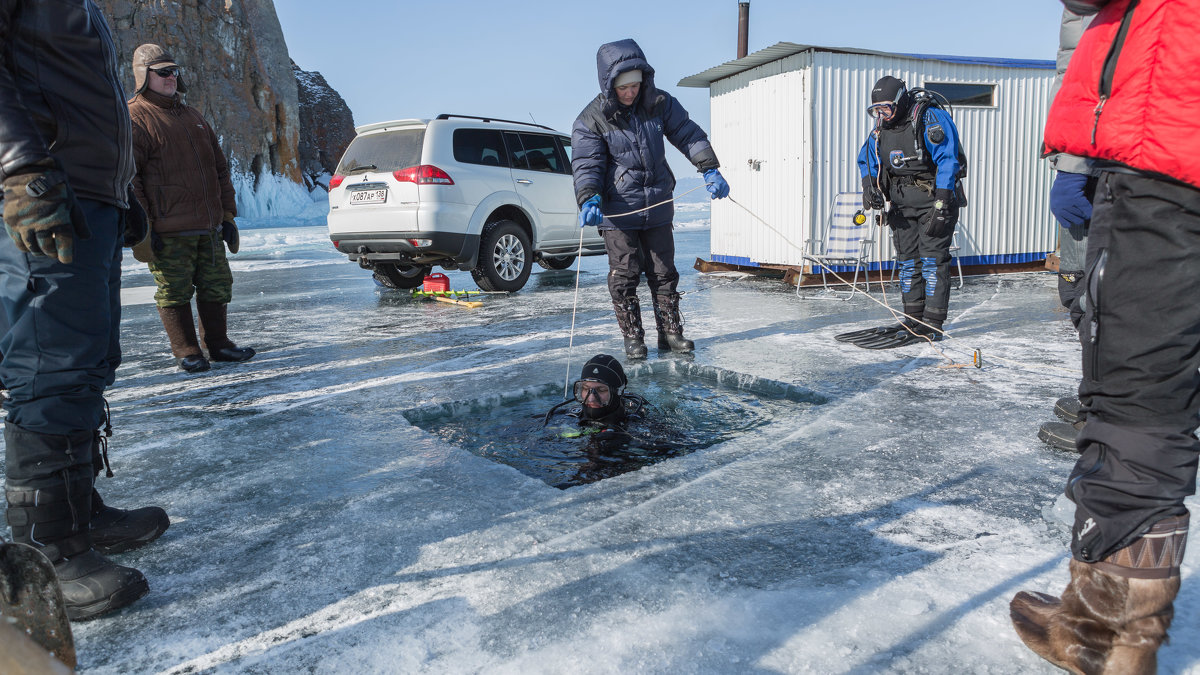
(41, 213)
(156, 242)
(872, 197)
(941, 219)
(137, 226)
(229, 233)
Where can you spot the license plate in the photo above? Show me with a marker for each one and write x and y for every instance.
(377, 196)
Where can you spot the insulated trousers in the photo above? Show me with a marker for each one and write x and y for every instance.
(924, 260)
(1141, 351)
(631, 252)
(62, 347)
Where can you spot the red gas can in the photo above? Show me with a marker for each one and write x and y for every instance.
(436, 283)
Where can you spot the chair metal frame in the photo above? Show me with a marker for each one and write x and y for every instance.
(844, 243)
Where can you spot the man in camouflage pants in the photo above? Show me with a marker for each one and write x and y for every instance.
(183, 182)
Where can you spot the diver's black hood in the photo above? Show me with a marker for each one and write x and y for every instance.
(606, 369)
(893, 90)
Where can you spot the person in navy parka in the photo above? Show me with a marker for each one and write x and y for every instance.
(624, 186)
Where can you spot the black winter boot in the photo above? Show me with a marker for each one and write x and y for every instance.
(181, 331)
(629, 318)
(117, 530)
(1060, 435)
(930, 328)
(670, 325)
(52, 512)
(1069, 409)
(214, 333)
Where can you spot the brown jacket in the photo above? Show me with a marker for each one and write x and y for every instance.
(182, 175)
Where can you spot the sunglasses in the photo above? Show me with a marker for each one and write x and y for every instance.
(165, 72)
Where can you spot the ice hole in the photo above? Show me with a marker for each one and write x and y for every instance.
(691, 407)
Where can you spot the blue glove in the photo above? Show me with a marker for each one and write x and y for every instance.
(590, 213)
(1068, 199)
(717, 187)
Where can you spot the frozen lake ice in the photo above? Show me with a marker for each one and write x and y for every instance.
(315, 529)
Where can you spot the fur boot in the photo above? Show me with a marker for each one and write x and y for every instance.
(1115, 613)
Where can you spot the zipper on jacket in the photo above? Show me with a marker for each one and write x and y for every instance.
(196, 156)
(1110, 65)
(1095, 279)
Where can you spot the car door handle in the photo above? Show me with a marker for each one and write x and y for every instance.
(526, 181)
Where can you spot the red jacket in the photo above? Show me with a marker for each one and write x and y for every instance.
(1143, 110)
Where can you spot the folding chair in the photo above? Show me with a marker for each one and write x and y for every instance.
(845, 243)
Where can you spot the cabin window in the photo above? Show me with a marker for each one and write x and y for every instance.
(968, 95)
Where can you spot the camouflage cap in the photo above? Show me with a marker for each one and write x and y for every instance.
(150, 56)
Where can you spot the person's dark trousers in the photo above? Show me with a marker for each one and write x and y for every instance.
(630, 252)
(924, 260)
(1141, 351)
(1072, 250)
(63, 344)
(62, 349)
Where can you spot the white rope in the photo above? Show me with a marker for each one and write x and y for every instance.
(978, 353)
(574, 307)
(977, 357)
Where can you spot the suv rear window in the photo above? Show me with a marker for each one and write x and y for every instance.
(535, 152)
(479, 146)
(385, 151)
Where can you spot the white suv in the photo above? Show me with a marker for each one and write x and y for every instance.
(465, 193)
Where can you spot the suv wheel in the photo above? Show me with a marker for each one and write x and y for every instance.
(504, 257)
(401, 277)
(556, 262)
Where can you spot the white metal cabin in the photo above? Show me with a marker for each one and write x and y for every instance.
(787, 123)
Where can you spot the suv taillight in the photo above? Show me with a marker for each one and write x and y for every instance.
(336, 181)
(425, 174)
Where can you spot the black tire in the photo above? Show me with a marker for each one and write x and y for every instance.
(556, 262)
(505, 257)
(401, 277)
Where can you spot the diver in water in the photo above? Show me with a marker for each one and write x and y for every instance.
(613, 424)
(604, 405)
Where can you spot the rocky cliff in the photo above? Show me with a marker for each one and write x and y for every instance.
(326, 123)
(239, 75)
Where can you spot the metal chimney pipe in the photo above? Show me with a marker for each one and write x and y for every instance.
(743, 28)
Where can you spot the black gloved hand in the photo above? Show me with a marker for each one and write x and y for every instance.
(137, 226)
(941, 219)
(229, 233)
(41, 213)
(156, 242)
(872, 197)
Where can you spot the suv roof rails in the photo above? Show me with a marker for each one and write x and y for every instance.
(446, 116)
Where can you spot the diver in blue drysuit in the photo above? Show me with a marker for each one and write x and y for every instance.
(920, 191)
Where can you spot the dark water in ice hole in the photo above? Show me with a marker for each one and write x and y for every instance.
(691, 408)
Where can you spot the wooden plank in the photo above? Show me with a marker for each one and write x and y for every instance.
(463, 303)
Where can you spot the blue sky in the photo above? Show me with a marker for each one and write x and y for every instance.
(536, 60)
